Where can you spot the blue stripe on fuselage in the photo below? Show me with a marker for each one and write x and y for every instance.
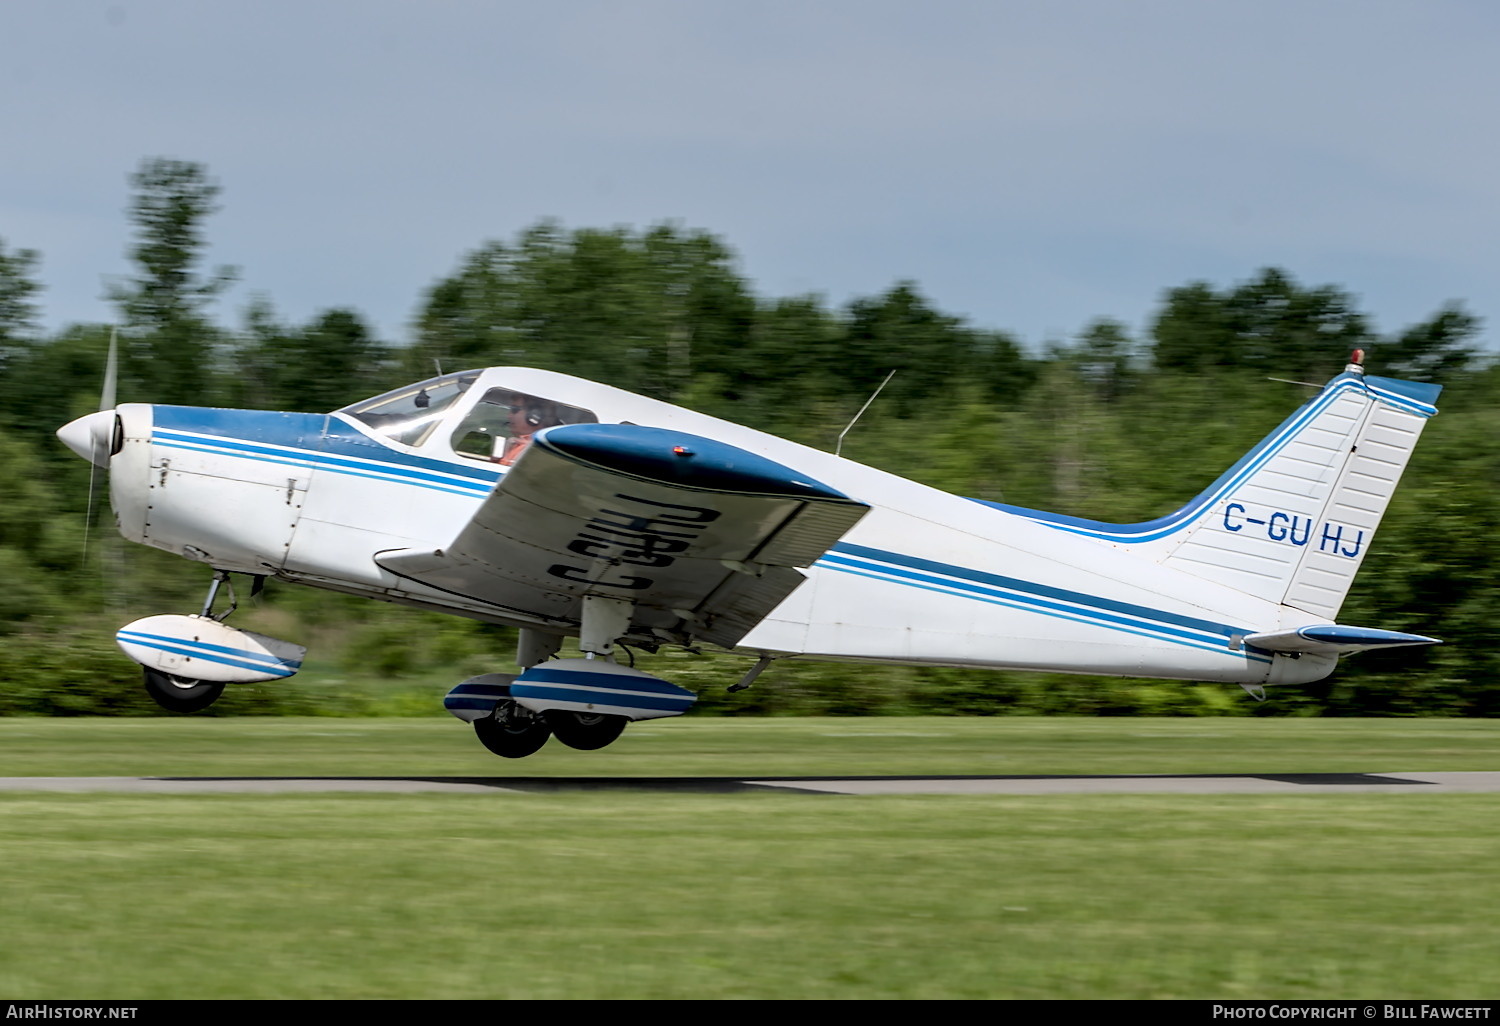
(1045, 599)
(312, 440)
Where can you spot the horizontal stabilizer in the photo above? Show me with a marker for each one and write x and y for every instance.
(1332, 639)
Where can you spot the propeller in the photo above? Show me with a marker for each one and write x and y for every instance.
(111, 369)
(93, 436)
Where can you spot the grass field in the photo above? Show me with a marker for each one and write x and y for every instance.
(660, 895)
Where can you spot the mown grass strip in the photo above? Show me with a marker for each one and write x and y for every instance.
(748, 896)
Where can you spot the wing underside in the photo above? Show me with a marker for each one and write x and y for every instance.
(703, 538)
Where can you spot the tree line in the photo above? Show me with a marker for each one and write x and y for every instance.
(1105, 424)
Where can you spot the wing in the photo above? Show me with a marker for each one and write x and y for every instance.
(703, 537)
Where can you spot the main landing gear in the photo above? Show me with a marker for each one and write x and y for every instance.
(585, 703)
(513, 732)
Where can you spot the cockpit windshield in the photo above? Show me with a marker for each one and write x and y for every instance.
(408, 415)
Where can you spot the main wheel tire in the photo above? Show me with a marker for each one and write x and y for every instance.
(587, 732)
(512, 732)
(179, 694)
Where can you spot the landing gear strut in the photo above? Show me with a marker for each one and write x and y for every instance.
(604, 620)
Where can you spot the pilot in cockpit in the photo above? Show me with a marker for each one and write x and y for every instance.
(502, 424)
(527, 416)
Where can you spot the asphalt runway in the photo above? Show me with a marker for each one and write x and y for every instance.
(1228, 783)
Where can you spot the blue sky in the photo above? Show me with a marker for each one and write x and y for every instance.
(1031, 165)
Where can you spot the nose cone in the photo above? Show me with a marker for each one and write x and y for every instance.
(91, 437)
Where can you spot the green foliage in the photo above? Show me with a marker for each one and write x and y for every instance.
(900, 332)
(17, 308)
(172, 198)
(400, 643)
(1268, 323)
(644, 311)
(72, 668)
(169, 350)
(1435, 350)
(330, 362)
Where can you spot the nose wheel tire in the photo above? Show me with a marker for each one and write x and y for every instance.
(585, 731)
(512, 732)
(179, 694)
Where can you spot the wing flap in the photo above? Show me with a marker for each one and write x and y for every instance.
(703, 537)
(741, 601)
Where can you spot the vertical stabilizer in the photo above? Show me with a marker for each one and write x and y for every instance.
(1292, 521)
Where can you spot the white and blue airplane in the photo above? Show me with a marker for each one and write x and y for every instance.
(572, 509)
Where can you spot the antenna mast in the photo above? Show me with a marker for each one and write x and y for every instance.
(840, 445)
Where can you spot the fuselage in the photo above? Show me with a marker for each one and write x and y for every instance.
(925, 578)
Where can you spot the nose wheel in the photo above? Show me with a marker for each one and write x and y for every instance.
(179, 694)
(185, 694)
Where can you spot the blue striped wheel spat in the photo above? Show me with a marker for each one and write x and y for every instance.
(476, 697)
(261, 664)
(596, 686)
(202, 648)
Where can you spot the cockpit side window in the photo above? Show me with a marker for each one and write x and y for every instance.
(501, 424)
(408, 415)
